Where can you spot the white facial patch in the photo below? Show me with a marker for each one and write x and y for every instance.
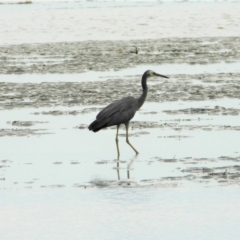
(151, 74)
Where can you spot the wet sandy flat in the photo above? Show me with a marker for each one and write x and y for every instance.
(89, 56)
(58, 180)
(187, 134)
(174, 19)
(197, 106)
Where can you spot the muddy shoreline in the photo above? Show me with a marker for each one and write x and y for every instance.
(53, 109)
(61, 62)
(116, 55)
(78, 57)
(47, 94)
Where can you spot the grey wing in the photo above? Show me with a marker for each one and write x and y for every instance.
(120, 111)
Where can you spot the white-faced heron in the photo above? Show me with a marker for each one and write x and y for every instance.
(122, 111)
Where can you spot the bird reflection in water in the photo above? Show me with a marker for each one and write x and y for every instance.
(117, 182)
(128, 170)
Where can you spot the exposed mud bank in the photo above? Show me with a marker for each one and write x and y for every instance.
(209, 111)
(20, 95)
(22, 132)
(224, 175)
(62, 108)
(77, 57)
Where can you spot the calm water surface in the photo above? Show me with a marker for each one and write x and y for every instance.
(151, 213)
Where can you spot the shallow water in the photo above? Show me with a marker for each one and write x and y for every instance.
(60, 181)
(167, 69)
(121, 214)
(46, 143)
(65, 184)
(153, 22)
(64, 181)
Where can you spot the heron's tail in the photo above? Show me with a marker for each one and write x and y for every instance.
(97, 125)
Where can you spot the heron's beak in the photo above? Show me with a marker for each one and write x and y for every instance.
(159, 75)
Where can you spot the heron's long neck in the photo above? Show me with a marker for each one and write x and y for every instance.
(143, 96)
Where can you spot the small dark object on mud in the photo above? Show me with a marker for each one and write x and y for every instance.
(136, 50)
(122, 111)
(26, 2)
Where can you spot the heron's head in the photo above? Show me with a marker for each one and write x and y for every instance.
(150, 73)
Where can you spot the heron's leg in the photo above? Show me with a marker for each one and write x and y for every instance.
(117, 144)
(127, 126)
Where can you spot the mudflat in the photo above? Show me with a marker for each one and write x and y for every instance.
(58, 70)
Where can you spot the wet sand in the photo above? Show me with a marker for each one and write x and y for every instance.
(60, 181)
(162, 20)
(201, 97)
(78, 57)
